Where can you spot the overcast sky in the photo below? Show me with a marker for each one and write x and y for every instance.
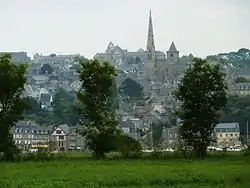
(87, 26)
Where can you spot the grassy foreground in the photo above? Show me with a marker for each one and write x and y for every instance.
(76, 172)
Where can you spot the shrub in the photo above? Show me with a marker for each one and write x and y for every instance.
(247, 151)
(129, 147)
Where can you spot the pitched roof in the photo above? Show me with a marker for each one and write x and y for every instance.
(65, 128)
(172, 48)
(227, 125)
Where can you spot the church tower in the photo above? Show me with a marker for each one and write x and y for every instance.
(149, 64)
(173, 54)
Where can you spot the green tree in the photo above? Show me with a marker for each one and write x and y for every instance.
(131, 88)
(113, 101)
(12, 80)
(100, 126)
(157, 130)
(237, 110)
(33, 106)
(202, 94)
(63, 108)
(242, 80)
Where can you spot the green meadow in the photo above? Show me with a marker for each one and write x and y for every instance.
(77, 171)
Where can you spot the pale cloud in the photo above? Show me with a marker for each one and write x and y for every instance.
(86, 27)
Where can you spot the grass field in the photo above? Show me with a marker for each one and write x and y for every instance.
(79, 172)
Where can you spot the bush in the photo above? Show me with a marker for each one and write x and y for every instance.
(247, 151)
(41, 155)
(129, 147)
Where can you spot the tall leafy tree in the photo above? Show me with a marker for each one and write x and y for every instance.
(131, 88)
(100, 126)
(202, 94)
(63, 108)
(12, 80)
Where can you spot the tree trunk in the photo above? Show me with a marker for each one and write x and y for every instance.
(98, 155)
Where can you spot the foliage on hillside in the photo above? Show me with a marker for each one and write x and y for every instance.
(241, 79)
(131, 89)
(62, 111)
(237, 110)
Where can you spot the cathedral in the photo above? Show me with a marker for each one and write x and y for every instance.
(163, 69)
(155, 69)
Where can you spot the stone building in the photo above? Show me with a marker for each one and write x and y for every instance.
(227, 134)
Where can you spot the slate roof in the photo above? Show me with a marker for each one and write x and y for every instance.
(242, 86)
(227, 125)
(65, 128)
(172, 48)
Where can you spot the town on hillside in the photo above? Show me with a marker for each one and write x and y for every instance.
(145, 80)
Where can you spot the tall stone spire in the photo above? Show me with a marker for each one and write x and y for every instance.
(150, 40)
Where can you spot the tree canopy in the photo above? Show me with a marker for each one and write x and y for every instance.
(100, 126)
(242, 80)
(46, 69)
(12, 80)
(61, 111)
(131, 88)
(201, 95)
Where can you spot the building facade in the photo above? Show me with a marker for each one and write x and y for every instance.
(227, 134)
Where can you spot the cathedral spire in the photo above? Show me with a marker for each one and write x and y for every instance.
(150, 40)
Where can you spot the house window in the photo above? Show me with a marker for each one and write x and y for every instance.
(61, 137)
(231, 135)
(58, 132)
(172, 55)
(226, 134)
(220, 135)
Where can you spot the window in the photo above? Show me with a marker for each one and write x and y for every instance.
(226, 134)
(61, 137)
(220, 135)
(171, 55)
(58, 132)
(231, 135)
(236, 134)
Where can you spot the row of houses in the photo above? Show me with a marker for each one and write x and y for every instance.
(28, 134)
(225, 134)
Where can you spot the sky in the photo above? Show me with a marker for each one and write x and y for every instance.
(202, 27)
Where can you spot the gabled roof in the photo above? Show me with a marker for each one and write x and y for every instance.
(172, 48)
(65, 128)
